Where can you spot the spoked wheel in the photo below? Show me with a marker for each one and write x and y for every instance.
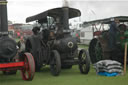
(29, 67)
(55, 64)
(84, 61)
(94, 50)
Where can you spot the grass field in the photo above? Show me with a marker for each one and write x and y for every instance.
(83, 46)
(66, 77)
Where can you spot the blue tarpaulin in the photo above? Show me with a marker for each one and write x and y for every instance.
(107, 74)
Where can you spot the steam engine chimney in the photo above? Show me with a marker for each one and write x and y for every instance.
(65, 14)
(3, 18)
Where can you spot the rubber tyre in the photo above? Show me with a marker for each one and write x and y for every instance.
(84, 61)
(55, 64)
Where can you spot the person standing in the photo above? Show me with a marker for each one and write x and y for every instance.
(113, 33)
(35, 30)
(21, 44)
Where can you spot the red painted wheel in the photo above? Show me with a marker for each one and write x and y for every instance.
(29, 67)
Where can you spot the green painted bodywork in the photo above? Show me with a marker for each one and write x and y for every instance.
(122, 38)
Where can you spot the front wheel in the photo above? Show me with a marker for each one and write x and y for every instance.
(84, 61)
(29, 67)
(55, 64)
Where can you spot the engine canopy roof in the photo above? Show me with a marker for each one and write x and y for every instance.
(108, 20)
(54, 13)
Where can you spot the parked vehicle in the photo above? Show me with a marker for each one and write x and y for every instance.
(99, 48)
(54, 45)
(10, 59)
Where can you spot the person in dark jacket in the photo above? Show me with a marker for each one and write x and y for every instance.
(113, 33)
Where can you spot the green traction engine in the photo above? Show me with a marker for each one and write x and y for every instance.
(99, 48)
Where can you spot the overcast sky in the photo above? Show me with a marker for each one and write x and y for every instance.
(18, 10)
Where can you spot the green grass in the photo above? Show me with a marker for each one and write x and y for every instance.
(83, 46)
(66, 77)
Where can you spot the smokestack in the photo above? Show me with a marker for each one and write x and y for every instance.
(66, 17)
(65, 14)
(3, 17)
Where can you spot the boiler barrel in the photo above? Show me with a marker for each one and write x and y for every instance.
(3, 17)
(7, 47)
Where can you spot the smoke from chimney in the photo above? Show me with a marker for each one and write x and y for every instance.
(65, 3)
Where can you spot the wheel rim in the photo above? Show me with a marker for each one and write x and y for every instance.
(83, 61)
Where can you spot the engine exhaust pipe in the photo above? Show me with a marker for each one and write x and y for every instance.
(3, 18)
(65, 15)
(66, 18)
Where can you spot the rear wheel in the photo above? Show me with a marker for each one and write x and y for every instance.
(29, 67)
(55, 64)
(98, 51)
(95, 50)
(84, 61)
